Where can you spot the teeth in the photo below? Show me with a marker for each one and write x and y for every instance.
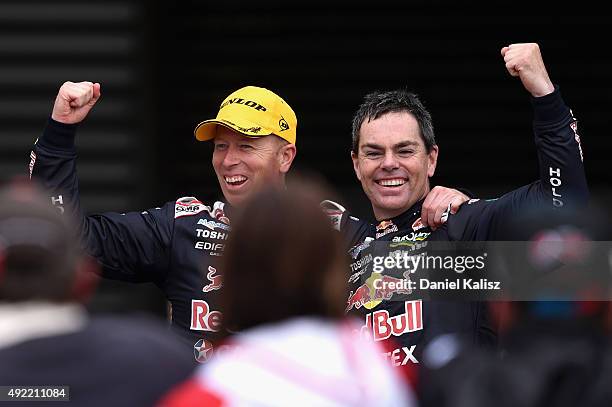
(235, 179)
(391, 182)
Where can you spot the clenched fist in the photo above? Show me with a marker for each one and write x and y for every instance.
(525, 61)
(74, 101)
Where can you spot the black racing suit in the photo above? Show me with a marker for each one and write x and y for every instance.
(175, 246)
(412, 324)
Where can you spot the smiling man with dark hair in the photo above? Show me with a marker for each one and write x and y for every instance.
(395, 153)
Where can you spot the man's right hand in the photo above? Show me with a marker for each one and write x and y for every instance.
(438, 201)
(74, 101)
(525, 61)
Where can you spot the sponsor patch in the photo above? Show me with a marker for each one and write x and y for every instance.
(378, 288)
(202, 350)
(203, 318)
(282, 123)
(32, 162)
(215, 280)
(211, 234)
(409, 239)
(418, 224)
(354, 251)
(385, 227)
(215, 248)
(359, 267)
(574, 127)
(401, 356)
(379, 325)
(188, 206)
(212, 225)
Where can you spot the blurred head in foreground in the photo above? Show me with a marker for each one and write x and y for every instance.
(39, 256)
(47, 338)
(563, 261)
(284, 290)
(283, 260)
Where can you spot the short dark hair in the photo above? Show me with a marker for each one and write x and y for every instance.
(378, 103)
(282, 260)
(38, 246)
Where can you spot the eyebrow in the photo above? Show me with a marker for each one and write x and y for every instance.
(406, 144)
(395, 146)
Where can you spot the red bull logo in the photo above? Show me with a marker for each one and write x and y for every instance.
(377, 288)
(359, 298)
(203, 318)
(386, 286)
(380, 326)
(385, 227)
(418, 224)
(215, 280)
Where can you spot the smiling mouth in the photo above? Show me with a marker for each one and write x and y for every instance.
(391, 183)
(235, 180)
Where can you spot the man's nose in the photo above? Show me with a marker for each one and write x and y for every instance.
(232, 157)
(389, 161)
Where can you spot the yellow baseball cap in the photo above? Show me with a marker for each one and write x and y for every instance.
(253, 112)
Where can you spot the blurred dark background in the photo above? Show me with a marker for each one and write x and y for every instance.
(164, 67)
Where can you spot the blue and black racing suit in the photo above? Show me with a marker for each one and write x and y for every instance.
(175, 246)
(412, 324)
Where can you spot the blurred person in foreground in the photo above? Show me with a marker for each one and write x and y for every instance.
(178, 245)
(295, 346)
(46, 336)
(556, 348)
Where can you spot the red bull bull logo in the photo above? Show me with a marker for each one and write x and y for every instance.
(215, 280)
(376, 289)
(359, 298)
(385, 227)
(418, 224)
(386, 286)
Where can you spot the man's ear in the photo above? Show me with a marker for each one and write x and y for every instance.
(286, 155)
(432, 160)
(356, 164)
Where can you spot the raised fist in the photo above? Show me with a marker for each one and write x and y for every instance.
(74, 101)
(525, 61)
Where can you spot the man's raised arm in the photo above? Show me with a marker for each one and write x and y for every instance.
(130, 246)
(562, 182)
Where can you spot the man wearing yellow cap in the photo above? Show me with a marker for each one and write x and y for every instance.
(245, 160)
(176, 246)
